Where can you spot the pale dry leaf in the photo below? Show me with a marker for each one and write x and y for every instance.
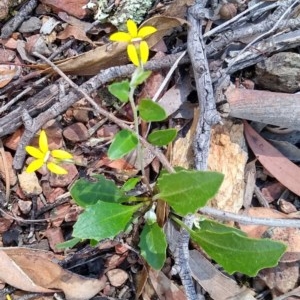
(40, 269)
(13, 274)
(7, 73)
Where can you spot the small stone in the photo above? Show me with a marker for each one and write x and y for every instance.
(54, 194)
(25, 206)
(29, 184)
(81, 115)
(64, 180)
(117, 277)
(76, 132)
(30, 25)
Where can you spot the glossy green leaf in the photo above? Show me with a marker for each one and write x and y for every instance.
(187, 191)
(151, 111)
(237, 253)
(162, 137)
(123, 142)
(103, 220)
(68, 244)
(120, 90)
(139, 76)
(87, 192)
(210, 225)
(153, 245)
(130, 184)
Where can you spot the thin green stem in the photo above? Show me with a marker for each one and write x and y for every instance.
(136, 125)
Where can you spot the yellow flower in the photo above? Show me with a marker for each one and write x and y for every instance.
(46, 157)
(137, 49)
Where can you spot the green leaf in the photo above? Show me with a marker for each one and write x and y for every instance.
(237, 253)
(186, 191)
(124, 142)
(130, 184)
(151, 111)
(120, 90)
(210, 225)
(162, 137)
(153, 245)
(86, 192)
(139, 76)
(103, 220)
(68, 244)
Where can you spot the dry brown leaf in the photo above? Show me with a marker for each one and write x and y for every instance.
(164, 287)
(178, 8)
(276, 164)
(110, 55)
(7, 73)
(140, 281)
(14, 275)
(219, 286)
(76, 32)
(36, 271)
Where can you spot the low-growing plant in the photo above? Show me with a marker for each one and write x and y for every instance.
(108, 210)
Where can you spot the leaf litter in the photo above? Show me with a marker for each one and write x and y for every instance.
(21, 267)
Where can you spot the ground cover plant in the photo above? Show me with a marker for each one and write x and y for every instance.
(114, 198)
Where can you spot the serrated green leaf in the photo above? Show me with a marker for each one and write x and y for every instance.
(139, 76)
(120, 90)
(103, 220)
(210, 225)
(87, 192)
(162, 137)
(153, 245)
(68, 244)
(130, 184)
(237, 253)
(150, 111)
(187, 191)
(123, 142)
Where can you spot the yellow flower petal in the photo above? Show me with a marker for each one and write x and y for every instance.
(144, 51)
(35, 165)
(54, 168)
(34, 152)
(43, 142)
(120, 37)
(145, 31)
(132, 28)
(61, 154)
(133, 55)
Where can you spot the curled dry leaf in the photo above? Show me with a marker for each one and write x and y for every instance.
(36, 271)
(110, 55)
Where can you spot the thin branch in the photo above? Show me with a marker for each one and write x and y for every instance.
(227, 216)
